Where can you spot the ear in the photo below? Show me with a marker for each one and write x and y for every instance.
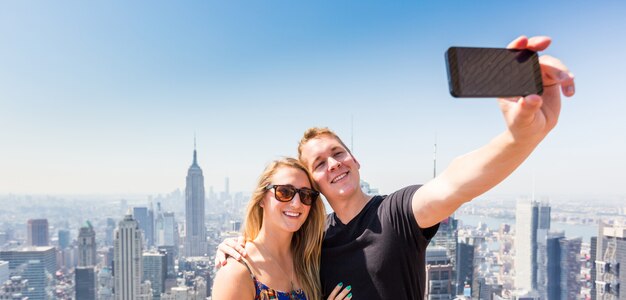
(358, 165)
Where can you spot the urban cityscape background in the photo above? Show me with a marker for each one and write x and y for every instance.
(163, 246)
(106, 194)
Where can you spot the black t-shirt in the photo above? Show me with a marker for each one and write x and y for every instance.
(380, 252)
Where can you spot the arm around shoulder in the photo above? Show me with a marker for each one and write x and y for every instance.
(233, 281)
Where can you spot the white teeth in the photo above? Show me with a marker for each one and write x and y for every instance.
(291, 214)
(339, 177)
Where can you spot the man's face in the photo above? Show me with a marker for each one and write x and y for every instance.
(334, 169)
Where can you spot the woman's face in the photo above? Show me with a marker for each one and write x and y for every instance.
(288, 216)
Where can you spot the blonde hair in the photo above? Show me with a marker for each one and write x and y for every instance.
(306, 243)
(315, 132)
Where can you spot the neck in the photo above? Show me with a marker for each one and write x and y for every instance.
(347, 208)
(277, 243)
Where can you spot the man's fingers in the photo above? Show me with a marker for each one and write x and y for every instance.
(555, 72)
(538, 43)
(229, 250)
(220, 260)
(518, 43)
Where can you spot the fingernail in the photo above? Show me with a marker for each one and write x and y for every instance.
(349, 296)
(563, 76)
(570, 90)
(340, 284)
(349, 287)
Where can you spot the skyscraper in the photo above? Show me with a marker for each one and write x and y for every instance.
(38, 232)
(85, 278)
(543, 227)
(438, 274)
(468, 257)
(611, 254)
(155, 270)
(195, 232)
(165, 229)
(87, 246)
(128, 263)
(36, 264)
(532, 221)
(145, 218)
(64, 238)
(570, 267)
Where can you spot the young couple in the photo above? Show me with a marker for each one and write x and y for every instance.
(376, 244)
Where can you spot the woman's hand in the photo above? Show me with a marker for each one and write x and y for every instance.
(340, 293)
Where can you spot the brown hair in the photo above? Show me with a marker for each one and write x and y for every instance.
(315, 132)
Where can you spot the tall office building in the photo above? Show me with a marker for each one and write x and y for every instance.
(563, 267)
(195, 232)
(64, 239)
(128, 262)
(4, 271)
(592, 258)
(468, 260)
(438, 274)
(85, 278)
(532, 221)
(36, 264)
(87, 246)
(447, 237)
(155, 270)
(543, 228)
(166, 228)
(38, 232)
(611, 255)
(570, 268)
(145, 218)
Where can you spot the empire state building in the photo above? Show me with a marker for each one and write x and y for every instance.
(195, 232)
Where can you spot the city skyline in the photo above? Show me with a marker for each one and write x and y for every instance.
(105, 98)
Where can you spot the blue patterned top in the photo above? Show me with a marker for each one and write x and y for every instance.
(263, 292)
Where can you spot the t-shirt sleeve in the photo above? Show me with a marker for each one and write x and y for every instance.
(398, 210)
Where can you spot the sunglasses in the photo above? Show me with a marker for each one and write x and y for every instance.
(286, 192)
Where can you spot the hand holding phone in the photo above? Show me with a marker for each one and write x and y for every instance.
(493, 72)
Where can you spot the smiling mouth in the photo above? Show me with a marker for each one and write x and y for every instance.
(340, 177)
(291, 214)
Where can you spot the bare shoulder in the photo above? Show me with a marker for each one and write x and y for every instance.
(233, 281)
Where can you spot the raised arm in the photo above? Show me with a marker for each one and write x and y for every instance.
(529, 119)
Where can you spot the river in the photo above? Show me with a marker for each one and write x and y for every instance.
(571, 230)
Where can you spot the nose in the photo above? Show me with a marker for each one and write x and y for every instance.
(295, 202)
(333, 163)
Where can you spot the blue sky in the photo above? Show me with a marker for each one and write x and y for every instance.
(105, 97)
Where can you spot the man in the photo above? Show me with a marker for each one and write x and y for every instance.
(377, 244)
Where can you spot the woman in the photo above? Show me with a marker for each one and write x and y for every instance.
(283, 229)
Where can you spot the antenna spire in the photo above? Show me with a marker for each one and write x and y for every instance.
(195, 157)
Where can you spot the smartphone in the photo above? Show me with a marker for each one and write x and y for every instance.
(493, 72)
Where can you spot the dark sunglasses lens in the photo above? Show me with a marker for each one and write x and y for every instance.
(285, 193)
(308, 196)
